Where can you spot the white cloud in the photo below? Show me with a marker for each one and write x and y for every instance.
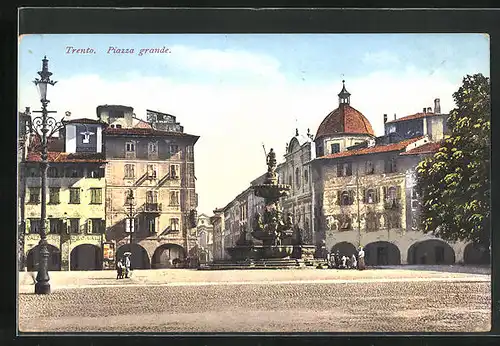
(234, 122)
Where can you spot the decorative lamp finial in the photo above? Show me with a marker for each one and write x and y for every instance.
(296, 132)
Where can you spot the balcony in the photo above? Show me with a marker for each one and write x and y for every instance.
(152, 208)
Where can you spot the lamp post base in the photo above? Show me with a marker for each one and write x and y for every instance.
(42, 288)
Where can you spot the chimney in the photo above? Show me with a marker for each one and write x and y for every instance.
(27, 111)
(385, 118)
(437, 106)
(429, 110)
(423, 110)
(394, 116)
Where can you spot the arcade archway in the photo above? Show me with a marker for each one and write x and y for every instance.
(33, 258)
(432, 251)
(381, 253)
(165, 255)
(139, 258)
(86, 257)
(345, 249)
(476, 254)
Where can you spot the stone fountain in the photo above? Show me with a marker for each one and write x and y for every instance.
(280, 238)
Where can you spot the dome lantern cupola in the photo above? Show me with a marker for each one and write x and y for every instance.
(344, 95)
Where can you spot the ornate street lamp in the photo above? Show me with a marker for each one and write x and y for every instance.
(44, 128)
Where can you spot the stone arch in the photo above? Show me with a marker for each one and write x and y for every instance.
(139, 258)
(86, 257)
(33, 258)
(344, 248)
(382, 253)
(165, 255)
(476, 254)
(431, 251)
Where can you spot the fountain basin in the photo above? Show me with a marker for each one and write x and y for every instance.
(257, 252)
(271, 191)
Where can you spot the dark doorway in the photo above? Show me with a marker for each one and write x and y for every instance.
(139, 258)
(33, 258)
(345, 249)
(382, 253)
(86, 257)
(432, 251)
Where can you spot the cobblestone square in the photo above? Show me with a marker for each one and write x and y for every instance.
(440, 299)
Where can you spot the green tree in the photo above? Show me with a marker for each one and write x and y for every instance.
(454, 183)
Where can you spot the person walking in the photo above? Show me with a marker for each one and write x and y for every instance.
(119, 269)
(361, 259)
(354, 262)
(127, 264)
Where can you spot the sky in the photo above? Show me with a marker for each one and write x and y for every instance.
(241, 91)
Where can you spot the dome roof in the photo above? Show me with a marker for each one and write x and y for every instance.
(344, 119)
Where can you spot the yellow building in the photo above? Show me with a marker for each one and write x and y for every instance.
(75, 199)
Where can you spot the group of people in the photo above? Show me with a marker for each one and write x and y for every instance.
(123, 266)
(338, 261)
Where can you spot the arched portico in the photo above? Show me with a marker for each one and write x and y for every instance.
(139, 258)
(431, 251)
(86, 257)
(33, 258)
(165, 255)
(344, 248)
(382, 253)
(476, 254)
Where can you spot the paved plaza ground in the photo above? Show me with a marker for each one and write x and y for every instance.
(392, 299)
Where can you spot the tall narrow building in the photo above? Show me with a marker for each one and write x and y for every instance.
(152, 162)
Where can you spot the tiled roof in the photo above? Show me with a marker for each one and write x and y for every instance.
(53, 144)
(428, 148)
(141, 124)
(373, 150)
(344, 119)
(144, 132)
(67, 157)
(84, 121)
(413, 116)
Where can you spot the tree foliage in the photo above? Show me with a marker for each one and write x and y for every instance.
(454, 183)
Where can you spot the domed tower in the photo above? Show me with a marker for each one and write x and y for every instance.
(342, 128)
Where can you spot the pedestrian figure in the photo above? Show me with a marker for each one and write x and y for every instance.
(127, 264)
(119, 269)
(344, 262)
(361, 258)
(338, 259)
(354, 262)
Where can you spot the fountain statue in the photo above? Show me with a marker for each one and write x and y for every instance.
(279, 236)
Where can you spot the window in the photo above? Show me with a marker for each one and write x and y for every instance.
(152, 147)
(118, 126)
(97, 226)
(95, 173)
(95, 196)
(151, 226)
(74, 226)
(129, 171)
(35, 226)
(345, 223)
(54, 195)
(174, 149)
(174, 171)
(174, 224)
(297, 177)
(371, 196)
(56, 226)
(174, 198)
(390, 166)
(151, 171)
(335, 148)
(33, 172)
(306, 176)
(73, 172)
(74, 195)
(52, 172)
(347, 169)
(392, 196)
(34, 195)
(129, 147)
(345, 198)
(370, 169)
(151, 197)
(290, 180)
